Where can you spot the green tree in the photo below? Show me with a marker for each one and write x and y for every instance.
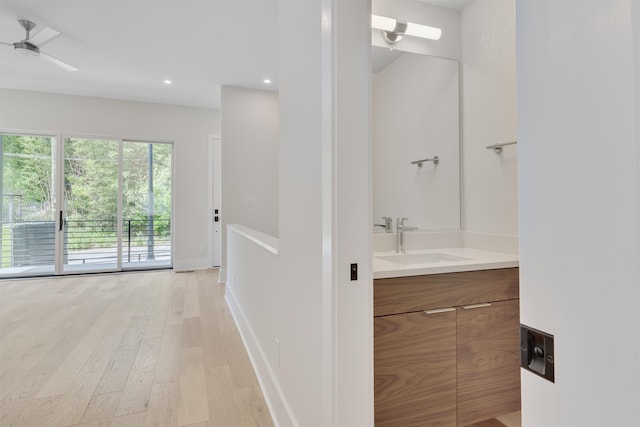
(27, 173)
(90, 181)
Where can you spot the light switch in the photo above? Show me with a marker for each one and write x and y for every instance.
(354, 272)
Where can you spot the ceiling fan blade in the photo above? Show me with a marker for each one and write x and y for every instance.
(44, 36)
(58, 62)
(7, 44)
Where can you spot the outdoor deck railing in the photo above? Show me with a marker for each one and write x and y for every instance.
(32, 243)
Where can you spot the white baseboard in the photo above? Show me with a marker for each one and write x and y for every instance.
(277, 404)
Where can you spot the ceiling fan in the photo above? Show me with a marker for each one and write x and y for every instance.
(31, 45)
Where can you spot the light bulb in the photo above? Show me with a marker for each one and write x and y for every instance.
(383, 23)
(423, 31)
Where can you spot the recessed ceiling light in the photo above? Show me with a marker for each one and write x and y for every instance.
(168, 82)
(267, 81)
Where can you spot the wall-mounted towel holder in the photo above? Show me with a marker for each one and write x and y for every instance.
(497, 148)
(435, 161)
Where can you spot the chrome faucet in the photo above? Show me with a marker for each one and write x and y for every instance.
(400, 235)
(400, 229)
(388, 224)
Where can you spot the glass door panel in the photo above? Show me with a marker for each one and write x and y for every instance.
(90, 238)
(146, 204)
(27, 211)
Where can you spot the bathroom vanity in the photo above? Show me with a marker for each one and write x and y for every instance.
(446, 347)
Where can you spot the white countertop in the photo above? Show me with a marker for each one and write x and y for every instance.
(475, 260)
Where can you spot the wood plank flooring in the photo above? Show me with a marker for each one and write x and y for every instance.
(135, 349)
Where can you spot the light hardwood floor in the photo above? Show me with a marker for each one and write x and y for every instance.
(134, 349)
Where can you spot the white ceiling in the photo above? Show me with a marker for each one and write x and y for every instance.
(449, 4)
(125, 49)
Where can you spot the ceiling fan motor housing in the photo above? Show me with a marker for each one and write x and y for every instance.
(26, 48)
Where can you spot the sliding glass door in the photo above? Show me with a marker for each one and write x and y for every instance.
(90, 210)
(146, 204)
(28, 209)
(113, 211)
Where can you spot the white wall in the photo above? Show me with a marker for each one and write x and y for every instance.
(490, 190)
(249, 161)
(322, 320)
(254, 295)
(579, 186)
(187, 127)
(415, 115)
(349, 166)
(421, 13)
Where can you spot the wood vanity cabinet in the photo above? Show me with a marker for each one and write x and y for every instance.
(415, 369)
(488, 359)
(446, 348)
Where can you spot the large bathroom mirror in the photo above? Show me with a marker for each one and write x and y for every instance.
(415, 117)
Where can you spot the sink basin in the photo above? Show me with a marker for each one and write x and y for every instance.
(428, 258)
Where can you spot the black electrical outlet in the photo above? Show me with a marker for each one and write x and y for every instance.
(354, 271)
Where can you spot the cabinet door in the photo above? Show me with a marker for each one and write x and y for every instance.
(488, 361)
(415, 369)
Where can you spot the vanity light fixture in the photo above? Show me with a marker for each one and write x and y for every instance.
(394, 30)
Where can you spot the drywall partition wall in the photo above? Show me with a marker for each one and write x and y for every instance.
(320, 318)
(448, 20)
(349, 176)
(253, 293)
(187, 127)
(300, 323)
(490, 196)
(249, 161)
(415, 116)
(579, 205)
